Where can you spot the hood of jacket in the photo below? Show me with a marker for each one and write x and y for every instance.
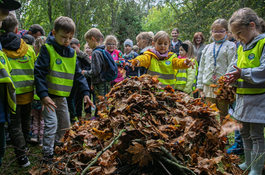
(149, 52)
(64, 51)
(13, 45)
(253, 43)
(100, 47)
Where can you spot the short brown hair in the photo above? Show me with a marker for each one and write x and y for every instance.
(196, 35)
(95, 33)
(10, 23)
(64, 23)
(175, 29)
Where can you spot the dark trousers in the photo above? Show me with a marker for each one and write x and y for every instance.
(71, 106)
(79, 104)
(2, 142)
(19, 128)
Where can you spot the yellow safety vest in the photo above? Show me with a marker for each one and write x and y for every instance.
(250, 59)
(164, 69)
(5, 77)
(61, 73)
(23, 72)
(181, 76)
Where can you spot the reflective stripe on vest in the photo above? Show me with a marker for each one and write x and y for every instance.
(250, 59)
(181, 77)
(23, 72)
(5, 77)
(164, 69)
(196, 75)
(61, 73)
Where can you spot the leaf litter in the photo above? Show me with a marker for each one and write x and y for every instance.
(165, 132)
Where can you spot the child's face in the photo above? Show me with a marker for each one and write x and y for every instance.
(182, 52)
(141, 43)
(88, 50)
(110, 45)
(162, 45)
(245, 34)
(91, 43)
(127, 49)
(76, 47)
(63, 38)
(219, 32)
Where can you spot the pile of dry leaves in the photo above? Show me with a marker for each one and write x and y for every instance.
(225, 92)
(144, 129)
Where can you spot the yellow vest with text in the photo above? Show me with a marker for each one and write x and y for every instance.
(5, 77)
(250, 59)
(61, 73)
(164, 69)
(23, 72)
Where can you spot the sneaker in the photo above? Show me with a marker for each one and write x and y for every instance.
(34, 138)
(47, 160)
(236, 149)
(23, 161)
(41, 142)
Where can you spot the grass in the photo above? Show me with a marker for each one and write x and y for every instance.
(10, 165)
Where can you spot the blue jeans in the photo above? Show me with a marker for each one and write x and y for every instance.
(56, 122)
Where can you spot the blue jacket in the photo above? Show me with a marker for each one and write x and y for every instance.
(42, 66)
(138, 71)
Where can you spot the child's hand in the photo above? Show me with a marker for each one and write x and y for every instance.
(127, 64)
(134, 62)
(233, 76)
(47, 103)
(189, 63)
(88, 102)
(83, 72)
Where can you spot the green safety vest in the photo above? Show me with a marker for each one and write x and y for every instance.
(181, 76)
(5, 77)
(164, 69)
(250, 59)
(61, 73)
(23, 72)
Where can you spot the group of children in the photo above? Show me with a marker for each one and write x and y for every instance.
(47, 80)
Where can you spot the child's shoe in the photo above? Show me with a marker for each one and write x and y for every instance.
(23, 161)
(41, 142)
(34, 138)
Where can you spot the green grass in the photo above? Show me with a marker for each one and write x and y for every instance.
(10, 165)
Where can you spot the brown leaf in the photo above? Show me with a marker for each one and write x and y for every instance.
(101, 134)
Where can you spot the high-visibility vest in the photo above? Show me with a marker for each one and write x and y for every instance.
(250, 59)
(5, 77)
(23, 72)
(181, 76)
(164, 69)
(61, 73)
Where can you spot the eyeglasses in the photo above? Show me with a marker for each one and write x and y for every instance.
(220, 32)
(109, 44)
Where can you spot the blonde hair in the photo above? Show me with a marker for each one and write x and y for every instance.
(95, 33)
(190, 53)
(221, 22)
(38, 43)
(145, 36)
(111, 37)
(161, 34)
(244, 16)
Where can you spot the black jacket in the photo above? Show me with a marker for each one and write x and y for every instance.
(176, 48)
(42, 66)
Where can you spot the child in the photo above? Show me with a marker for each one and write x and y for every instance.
(38, 122)
(136, 49)
(186, 78)
(85, 64)
(215, 59)
(111, 43)
(128, 55)
(55, 72)
(99, 84)
(160, 61)
(88, 50)
(250, 78)
(7, 88)
(21, 58)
